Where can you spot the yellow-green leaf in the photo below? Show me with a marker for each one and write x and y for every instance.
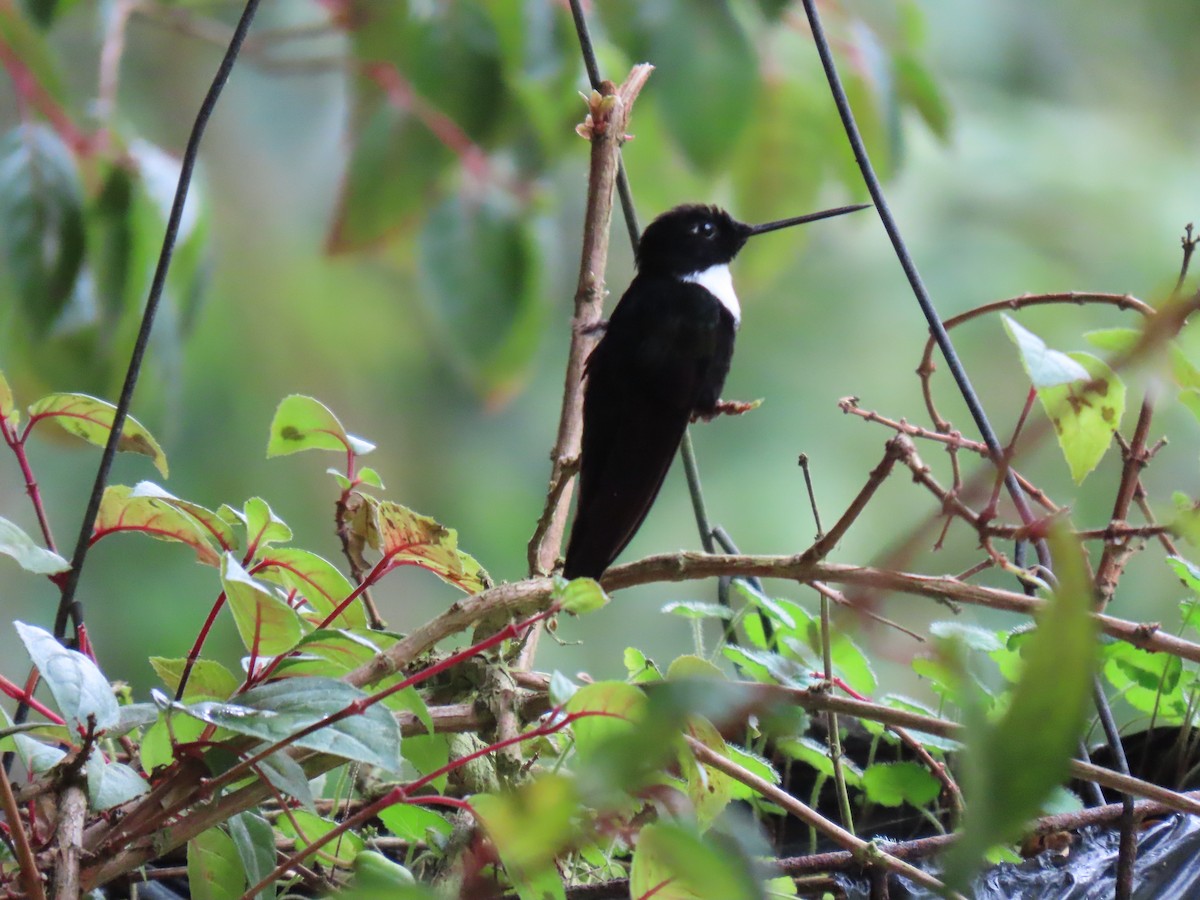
(406, 538)
(1085, 414)
(302, 423)
(92, 419)
(121, 511)
(265, 622)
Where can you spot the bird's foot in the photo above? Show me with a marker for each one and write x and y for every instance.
(726, 408)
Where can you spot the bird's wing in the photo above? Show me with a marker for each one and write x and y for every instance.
(650, 372)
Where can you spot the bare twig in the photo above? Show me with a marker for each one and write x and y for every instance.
(608, 120)
(30, 876)
(864, 850)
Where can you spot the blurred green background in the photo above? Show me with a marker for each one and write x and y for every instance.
(1067, 159)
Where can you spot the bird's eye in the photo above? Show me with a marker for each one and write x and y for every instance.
(704, 229)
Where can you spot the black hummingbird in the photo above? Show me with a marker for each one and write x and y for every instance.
(661, 363)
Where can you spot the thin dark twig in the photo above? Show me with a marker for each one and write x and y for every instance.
(1127, 849)
(914, 277)
(68, 606)
(812, 497)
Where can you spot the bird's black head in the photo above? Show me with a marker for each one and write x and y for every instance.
(692, 237)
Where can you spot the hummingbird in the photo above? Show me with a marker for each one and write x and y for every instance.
(660, 364)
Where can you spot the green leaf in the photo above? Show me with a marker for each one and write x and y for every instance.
(29, 556)
(706, 77)
(672, 862)
(531, 825)
(1045, 367)
(266, 623)
(893, 784)
(1187, 518)
(81, 692)
(416, 823)
(1087, 415)
(490, 312)
(581, 596)
(280, 709)
(1113, 340)
(970, 635)
(41, 206)
(694, 609)
(709, 789)
(302, 423)
(378, 876)
(1013, 764)
(816, 756)
(208, 679)
(9, 414)
(753, 763)
(263, 527)
(218, 528)
(92, 419)
(255, 842)
(640, 667)
(36, 756)
(307, 827)
(287, 777)
(916, 87)
(213, 868)
(622, 705)
(406, 538)
(121, 511)
(314, 578)
(112, 783)
(1147, 681)
(691, 666)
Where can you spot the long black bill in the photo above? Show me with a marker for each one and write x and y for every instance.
(752, 230)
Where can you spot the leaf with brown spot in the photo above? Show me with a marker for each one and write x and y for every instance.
(1083, 424)
(406, 538)
(92, 419)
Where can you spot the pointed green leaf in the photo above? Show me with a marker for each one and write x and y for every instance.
(581, 596)
(112, 783)
(213, 868)
(255, 841)
(121, 511)
(306, 827)
(91, 419)
(314, 578)
(302, 423)
(893, 784)
(36, 756)
(218, 528)
(29, 556)
(208, 678)
(1086, 414)
(531, 825)
(9, 413)
(416, 823)
(280, 709)
(263, 527)
(266, 624)
(1045, 367)
(79, 687)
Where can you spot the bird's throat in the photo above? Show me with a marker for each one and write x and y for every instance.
(718, 282)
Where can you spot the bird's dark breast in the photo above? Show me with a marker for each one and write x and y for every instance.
(664, 357)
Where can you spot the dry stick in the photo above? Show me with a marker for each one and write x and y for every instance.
(895, 449)
(30, 878)
(608, 120)
(865, 850)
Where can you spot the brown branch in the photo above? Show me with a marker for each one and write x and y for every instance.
(895, 449)
(30, 877)
(1116, 554)
(72, 811)
(606, 126)
(864, 850)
